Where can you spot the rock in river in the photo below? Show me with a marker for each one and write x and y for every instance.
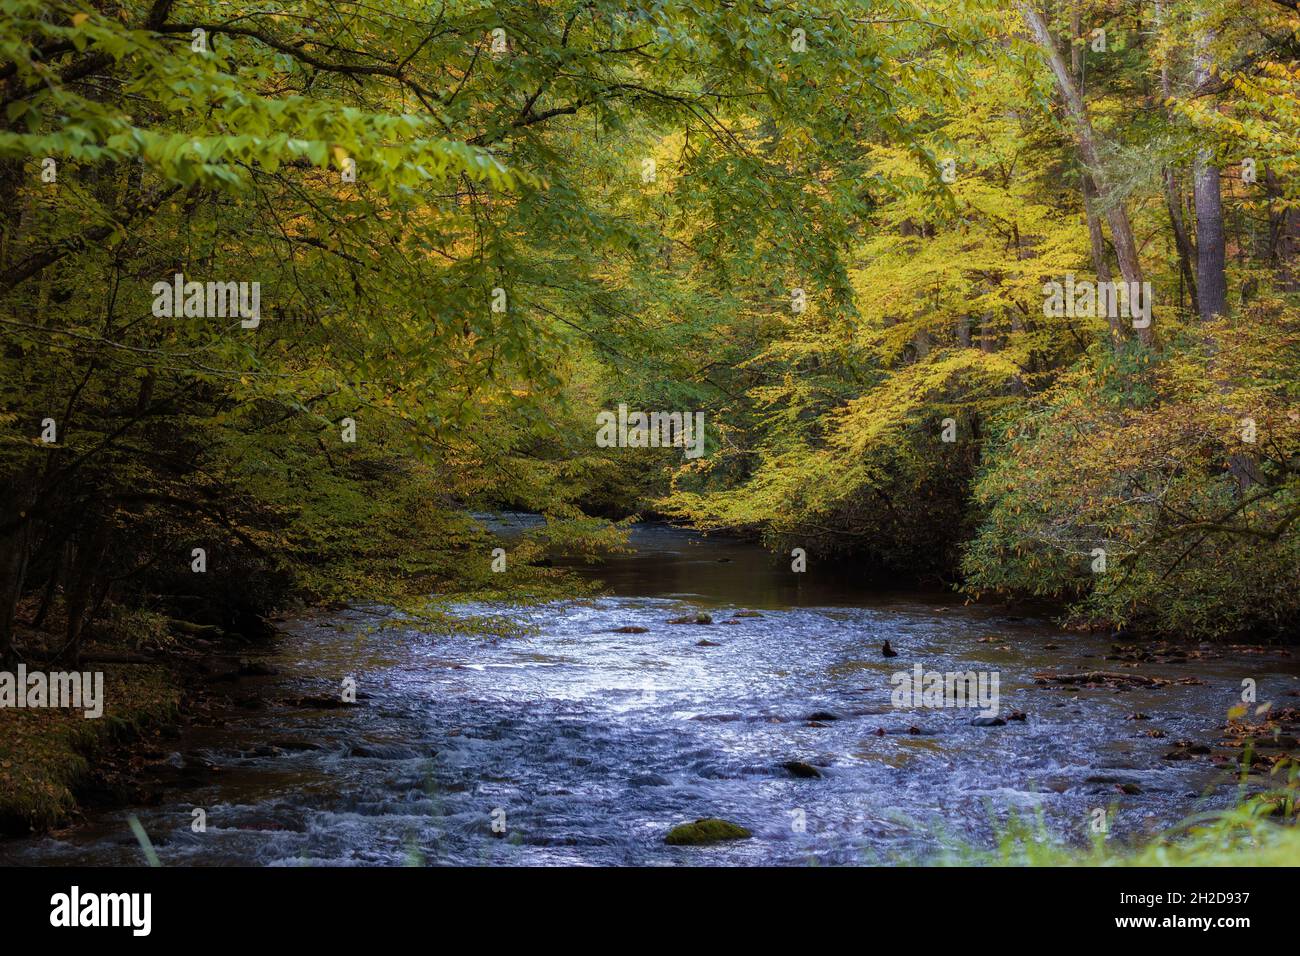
(803, 770)
(705, 831)
(822, 715)
(988, 722)
(701, 618)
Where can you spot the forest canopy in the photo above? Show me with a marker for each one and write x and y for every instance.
(1001, 294)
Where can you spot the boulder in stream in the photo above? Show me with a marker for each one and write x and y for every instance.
(804, 771)
(701, 618)
(705, 831)
(822, 715)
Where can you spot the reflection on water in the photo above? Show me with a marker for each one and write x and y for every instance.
(720, 570)
(590, 742)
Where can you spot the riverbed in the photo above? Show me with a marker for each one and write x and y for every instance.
(585, 741)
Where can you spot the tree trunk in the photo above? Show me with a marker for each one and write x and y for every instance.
(989, 339)
(1283, 234)
(13, 567)
(1173, 200)
(81, 582)
(47, 599)
(1121, 230)
(1212, 280)
(1174, 191)
(1096, 239)
(1211, 260)
(15, 547)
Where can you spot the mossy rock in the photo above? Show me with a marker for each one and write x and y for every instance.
(701, 618)
(702, 832)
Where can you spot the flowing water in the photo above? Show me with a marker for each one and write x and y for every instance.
(585, 745)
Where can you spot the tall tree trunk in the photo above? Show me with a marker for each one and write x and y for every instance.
(988, 338)
(1121, 230)
(1211, 259)
(1183, 243)
(13, 561)
(1174, 191)
(47, 599)
(81, 582)
(15, 547)
(1096, 238)
(1284, 235)
(1100, 262)
(1212, 280)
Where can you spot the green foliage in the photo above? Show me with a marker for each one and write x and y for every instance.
(1071, 435)
(484, 283)
(560, 207)
(1197, 523)
(1259, 827)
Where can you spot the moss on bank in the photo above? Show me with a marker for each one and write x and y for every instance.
(46, 754)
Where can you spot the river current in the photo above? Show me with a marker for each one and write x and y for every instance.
(584, 742)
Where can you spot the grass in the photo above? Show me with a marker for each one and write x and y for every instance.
(1261, 830)
(46, 754)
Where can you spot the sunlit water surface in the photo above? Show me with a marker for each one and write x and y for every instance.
(587, 745)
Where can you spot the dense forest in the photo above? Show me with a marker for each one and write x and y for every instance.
(991, 304)
(1004, 295)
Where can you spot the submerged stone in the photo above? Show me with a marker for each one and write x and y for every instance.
(803, 770)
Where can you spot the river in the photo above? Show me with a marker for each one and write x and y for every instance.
(581, 744)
